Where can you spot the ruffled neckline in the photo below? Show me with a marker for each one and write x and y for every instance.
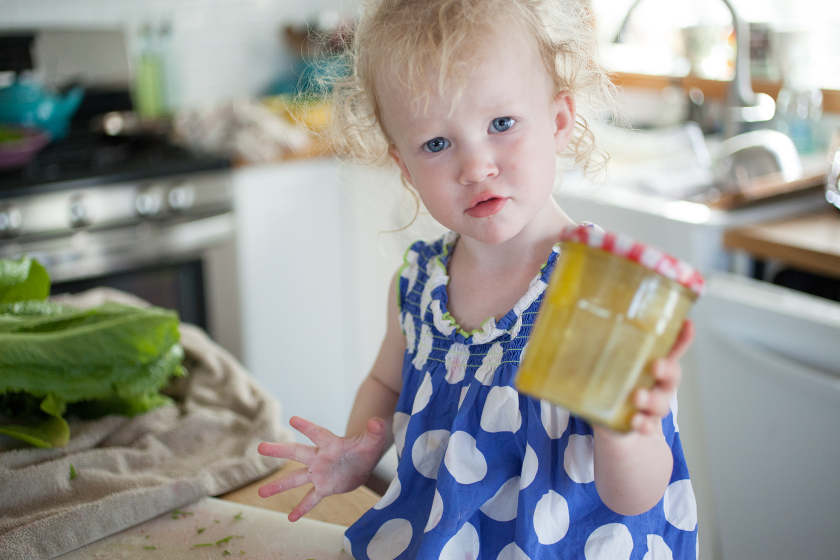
(490, 329)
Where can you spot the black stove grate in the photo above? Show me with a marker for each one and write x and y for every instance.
(86, 159)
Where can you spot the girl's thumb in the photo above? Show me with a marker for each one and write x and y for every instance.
(376, 428)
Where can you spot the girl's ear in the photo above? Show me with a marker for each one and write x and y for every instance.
(394, 152)
(563, 109)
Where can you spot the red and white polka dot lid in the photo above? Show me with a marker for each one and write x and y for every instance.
(645, 255)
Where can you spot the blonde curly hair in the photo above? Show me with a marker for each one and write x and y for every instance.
(403, 37)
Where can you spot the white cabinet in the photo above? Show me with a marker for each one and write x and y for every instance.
(769, 377)
(315, 258)
(289, 244)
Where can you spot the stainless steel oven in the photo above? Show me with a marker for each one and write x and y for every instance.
(168, 239)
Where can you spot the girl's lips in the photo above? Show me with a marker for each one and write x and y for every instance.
(487, 207)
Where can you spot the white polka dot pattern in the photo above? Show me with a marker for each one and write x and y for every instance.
(530, 464)
(512, 552)
(578, 459)
(408, 329)
(456, 363)
(436, 513)
(400, 426)
(391, 540)
(464, 461)
(680, 505)
(501, 411)
(390, 495)
(428, 451)
(658, 549)
(464, 391)
(609, 542)
(503, 505)
(674, 407)
(551, 518)
(517, 326)
(424, 394)
(463, 546)
(555, 419)
(423, 347)
(489, 364)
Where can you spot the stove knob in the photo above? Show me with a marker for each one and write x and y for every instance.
(11, 221)
(78, 212)
(182, 197)
(148, 203)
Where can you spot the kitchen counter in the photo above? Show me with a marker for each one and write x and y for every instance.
(810, 242)
(341, 509)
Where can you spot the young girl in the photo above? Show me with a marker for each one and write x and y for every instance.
(474, 100)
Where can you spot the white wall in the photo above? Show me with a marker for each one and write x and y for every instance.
(221, 48)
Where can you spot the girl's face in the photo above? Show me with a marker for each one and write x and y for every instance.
(484, 167)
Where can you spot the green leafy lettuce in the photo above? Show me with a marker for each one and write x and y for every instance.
(57, 359)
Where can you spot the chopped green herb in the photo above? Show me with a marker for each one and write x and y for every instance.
(226, 539)
(178, 512)
(150, 548)
(72, 472)
(203, 544)
(226, 553)
(201, 530)
(238, 516)
(147, 536)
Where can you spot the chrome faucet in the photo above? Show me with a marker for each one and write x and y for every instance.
(743, 105)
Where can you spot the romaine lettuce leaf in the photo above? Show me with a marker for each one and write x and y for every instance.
(108, 359)
(22, 280)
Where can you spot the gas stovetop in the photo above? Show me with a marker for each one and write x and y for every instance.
(85, 159)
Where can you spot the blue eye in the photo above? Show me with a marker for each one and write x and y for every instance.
(501, 124)
(436, 145)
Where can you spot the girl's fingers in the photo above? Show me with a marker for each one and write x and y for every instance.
(288, 481)
(306, 504)
(320, 436)
(667, 373)
(684, 340)
(294, 451)
(653, 402)
(643, 423)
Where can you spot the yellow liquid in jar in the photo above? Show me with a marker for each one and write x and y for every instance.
(603, 321)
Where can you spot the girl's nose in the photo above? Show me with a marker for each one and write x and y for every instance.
(476, 166)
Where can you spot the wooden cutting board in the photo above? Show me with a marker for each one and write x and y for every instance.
(217, 529)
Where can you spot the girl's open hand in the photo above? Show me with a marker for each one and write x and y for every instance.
(334, 465)
(655, 403)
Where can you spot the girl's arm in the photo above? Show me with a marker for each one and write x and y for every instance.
(632, 471)
(378, 394)
(335, 465)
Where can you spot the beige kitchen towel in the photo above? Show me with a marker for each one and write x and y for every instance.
(130, 470)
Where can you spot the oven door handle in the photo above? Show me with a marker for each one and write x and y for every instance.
(93, 253)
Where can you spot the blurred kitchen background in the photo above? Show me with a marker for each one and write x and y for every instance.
(159, 147)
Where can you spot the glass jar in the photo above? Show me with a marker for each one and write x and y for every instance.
(611, 308)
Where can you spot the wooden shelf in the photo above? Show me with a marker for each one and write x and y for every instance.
(715, 89)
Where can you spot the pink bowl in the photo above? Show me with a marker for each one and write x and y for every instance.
(17, 153)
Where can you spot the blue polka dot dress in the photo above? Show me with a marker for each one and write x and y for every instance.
(486, 473)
